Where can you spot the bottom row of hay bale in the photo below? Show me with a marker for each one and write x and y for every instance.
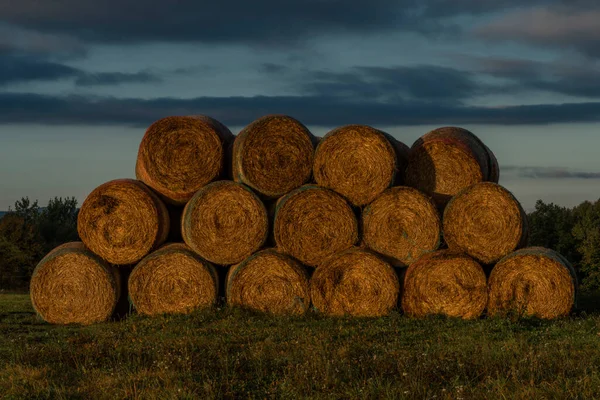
(72, 285)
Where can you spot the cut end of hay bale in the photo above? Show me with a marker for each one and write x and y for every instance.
(486, 222)
(270, 282)
(356, 161)
(122, 221)
(445, 283)
(273, 155)
(313, 223)
(445, 161)
(173, 280)
(71, 285)
(533, 281)
(178, 155)
(402, 224)
(225, 222)
(355, 282)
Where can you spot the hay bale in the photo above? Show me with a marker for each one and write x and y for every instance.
(402, 224)
(445, 161)
(402, 152)
(494, 168)
(270, 282)
(122, 221)
(444, 283)
(313, 223)
(356, 161)
(71, 285)
(172, 280)
(273, 155)
(533, 281)
(179, 155)
(486, 222)
(225, 222)
(355, 282)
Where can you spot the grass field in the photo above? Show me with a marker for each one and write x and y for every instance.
(229, 353)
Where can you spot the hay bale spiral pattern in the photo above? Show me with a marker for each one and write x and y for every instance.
(273, 155)
(485, 221)
(355, 282)
(313, 223)
(444, 283)
(122, 221)
(71, 285)
(178, 155)
(402, 224)
(172, 280)
(533, 281)
(225, 222)
(270, 282)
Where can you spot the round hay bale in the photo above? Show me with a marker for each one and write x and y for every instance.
(533, 281)
(270, 282)
(486, 222)
(402, 224)
(355, 282)
(122, 221)
(173, 280)
(356, 161)
(494, 172)
(402, 152)
(273, 155)
(445, 283)
(179, 155)
(446, 160)
(225, 222)
(313, 223)
(71, 285)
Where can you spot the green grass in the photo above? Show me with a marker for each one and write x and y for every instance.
(230, 353)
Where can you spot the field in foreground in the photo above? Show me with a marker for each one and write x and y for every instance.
(227, 353)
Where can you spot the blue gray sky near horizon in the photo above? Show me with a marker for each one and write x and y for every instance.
(81, 80)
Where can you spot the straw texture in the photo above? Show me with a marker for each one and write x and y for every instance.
(356, 161)
(273, 155)
(172, 280)
(179, 155)
(355, 282)
(270, 282)
(533, 281)
(445, 161)
(402, 224)
(444, 283)
(72, 285)
(122, 221)
(225, 222)
(313, 223)
(486, 222)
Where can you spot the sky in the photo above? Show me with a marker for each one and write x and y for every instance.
(81, 80)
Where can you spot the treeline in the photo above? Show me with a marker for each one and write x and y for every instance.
(29, 232)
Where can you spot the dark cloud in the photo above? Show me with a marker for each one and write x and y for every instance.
(115, 78)
(550, 172)
(312, 110)
(21, 68)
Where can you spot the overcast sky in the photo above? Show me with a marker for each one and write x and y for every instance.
(80, 80)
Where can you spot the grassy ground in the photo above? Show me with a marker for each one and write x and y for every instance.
(228, 353)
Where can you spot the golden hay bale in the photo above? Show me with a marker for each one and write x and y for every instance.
(73, 285)
(178, 155)
(172, 280)
(402, 224)
(122, 220)
(355, 282)
(445, 161)
(446, 283)
(273, 155)
(356, 161)
(313, 223)
(533, 281)
(485, 221)
(270, 282)
(225, 222)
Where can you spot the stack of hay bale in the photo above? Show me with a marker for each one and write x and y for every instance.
(277, 220)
